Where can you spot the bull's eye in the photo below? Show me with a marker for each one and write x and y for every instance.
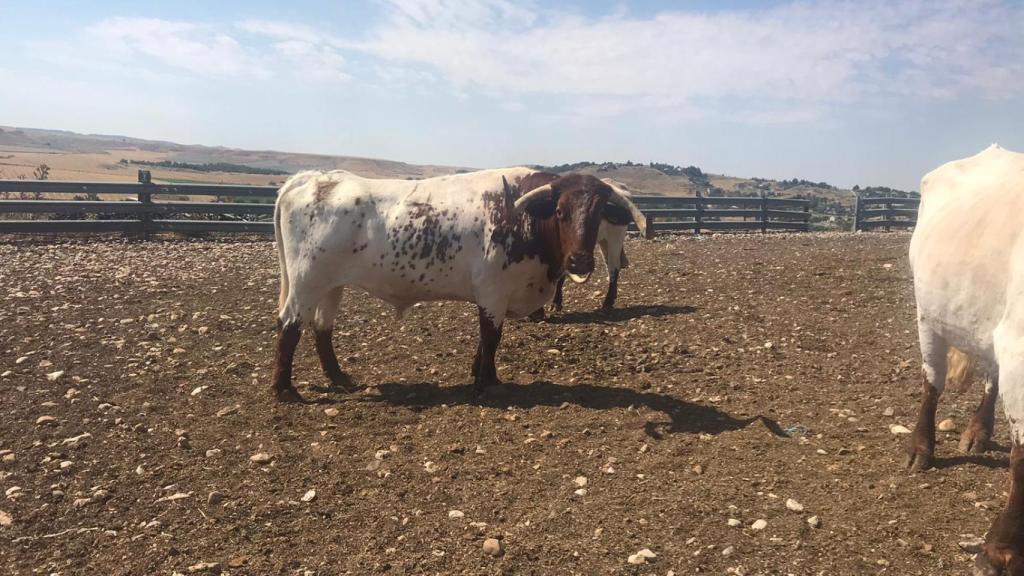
(562, 215)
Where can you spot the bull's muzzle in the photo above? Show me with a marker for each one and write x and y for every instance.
(579, 266)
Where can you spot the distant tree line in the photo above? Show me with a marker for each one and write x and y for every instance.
(883, 192)
(208, 167)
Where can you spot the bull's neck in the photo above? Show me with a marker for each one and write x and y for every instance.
(547, 235)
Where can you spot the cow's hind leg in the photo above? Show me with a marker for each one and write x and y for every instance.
(558, 294)
(978, 435)
(1003, 552)
(323, 327)
(921, 445)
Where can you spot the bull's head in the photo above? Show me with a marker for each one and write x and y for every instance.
(574, 205)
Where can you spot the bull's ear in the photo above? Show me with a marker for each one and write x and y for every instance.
(539, 202)
(617, 215)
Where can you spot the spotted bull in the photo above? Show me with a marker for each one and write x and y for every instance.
(498, 238)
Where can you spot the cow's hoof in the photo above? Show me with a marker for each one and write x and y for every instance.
(480, 387)
(342, 382)
(919, 460)
(289, 395)
(974, 440)
(983, 566)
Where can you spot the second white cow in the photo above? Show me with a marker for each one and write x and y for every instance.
(967, 257)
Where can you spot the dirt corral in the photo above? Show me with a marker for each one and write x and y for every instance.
(738, 372)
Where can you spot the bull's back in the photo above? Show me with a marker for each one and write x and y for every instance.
(966, 252)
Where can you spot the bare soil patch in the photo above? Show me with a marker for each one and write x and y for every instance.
(153, 361)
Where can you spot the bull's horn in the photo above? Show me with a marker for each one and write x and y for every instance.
(579, 279)
(622, 197)
(530, 196)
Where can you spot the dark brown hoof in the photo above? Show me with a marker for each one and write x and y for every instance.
(919, 460)
(481, 386)
(984, 567)
(342, 381)
(975, 440)
(289, 395)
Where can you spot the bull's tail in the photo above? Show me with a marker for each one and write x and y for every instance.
(280, 255)
(960, 370)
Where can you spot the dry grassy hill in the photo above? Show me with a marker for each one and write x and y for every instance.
(72, 156)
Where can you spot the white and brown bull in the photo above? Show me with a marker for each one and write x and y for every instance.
(967, 257)
(498, 238)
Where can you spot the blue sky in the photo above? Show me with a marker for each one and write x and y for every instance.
(867, 92)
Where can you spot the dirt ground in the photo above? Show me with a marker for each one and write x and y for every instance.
(135, 391)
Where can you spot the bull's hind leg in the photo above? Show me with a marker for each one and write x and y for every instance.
(292, 315)
(978, 435)
(921, 445)
(288, 333)
(323, 327)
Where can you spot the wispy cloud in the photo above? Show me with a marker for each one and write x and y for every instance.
(781, 61)
(791, 63)
(186, 46)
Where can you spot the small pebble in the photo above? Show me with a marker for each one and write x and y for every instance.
(261, 458)
(580, 481)
(332, 412)
(309, 496)
(456, 514)
(493, 547)
(728, 551)
(947, 425)
(759, 524)
(794, 505)
(899, 429)
(814, 522)
(733, 522)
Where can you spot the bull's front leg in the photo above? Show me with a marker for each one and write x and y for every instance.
(485, 373)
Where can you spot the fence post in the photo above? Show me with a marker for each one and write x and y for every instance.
(807, 216)
(764, 212)
(856, 212)
(698, 219)
(888, 209)
(145, 198)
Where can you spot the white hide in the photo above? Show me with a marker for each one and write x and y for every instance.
(967, 257)
(337, 229)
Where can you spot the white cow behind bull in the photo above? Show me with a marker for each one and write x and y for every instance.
(967, 257)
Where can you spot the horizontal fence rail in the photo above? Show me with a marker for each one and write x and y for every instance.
(887, 213)
(139, 209)
(713, 214)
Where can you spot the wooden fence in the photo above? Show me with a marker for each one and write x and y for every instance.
(887, 213)
(138, 210)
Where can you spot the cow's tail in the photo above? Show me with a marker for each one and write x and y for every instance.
(280, 254)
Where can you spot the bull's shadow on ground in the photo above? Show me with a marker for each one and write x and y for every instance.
(682, 416)
(618, 314)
